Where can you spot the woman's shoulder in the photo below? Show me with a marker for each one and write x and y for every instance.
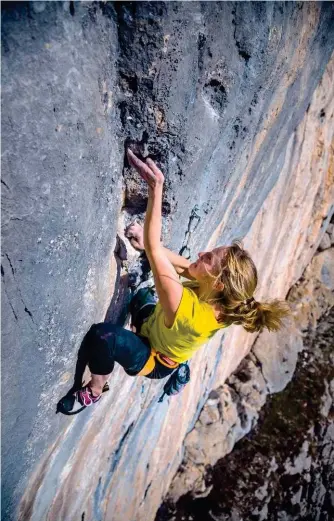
(200, 307)
(191, 287)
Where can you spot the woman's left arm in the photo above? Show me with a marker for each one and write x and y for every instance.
(166, 280)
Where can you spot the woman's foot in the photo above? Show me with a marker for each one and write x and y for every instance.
(135, 233)
(73, 403)
(86, 396)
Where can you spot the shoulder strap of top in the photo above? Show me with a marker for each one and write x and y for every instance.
(190, 284)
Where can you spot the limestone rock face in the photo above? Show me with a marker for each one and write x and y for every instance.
(224, 96)
(284, 469)
(272, 361)
(267, 369)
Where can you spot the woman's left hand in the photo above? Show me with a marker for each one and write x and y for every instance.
(148, 170)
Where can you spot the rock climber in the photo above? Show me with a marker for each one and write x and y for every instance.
(220, 292)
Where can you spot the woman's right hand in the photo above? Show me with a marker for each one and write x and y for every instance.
(148, 170)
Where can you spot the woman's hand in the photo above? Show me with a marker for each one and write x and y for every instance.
(148, 170)
(135, 233)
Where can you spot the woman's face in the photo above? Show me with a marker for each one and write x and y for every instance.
(208, 265)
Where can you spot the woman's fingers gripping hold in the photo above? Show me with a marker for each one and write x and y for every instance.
(157, 172)
(148, 170)
(142, 168)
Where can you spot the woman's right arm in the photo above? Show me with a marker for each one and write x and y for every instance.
(168, 286)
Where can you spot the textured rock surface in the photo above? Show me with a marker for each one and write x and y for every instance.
(283, 470)
(77, 80)
(233, 409)
(61, 198)
(272, 361)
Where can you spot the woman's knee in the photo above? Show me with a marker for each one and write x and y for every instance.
(104, 330)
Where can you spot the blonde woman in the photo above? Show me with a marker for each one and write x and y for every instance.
(169, 332)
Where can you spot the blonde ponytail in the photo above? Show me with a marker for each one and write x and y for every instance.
(262, 315)
(238, 306)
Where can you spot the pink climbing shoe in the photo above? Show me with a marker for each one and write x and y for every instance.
(73, 403)
(86, 397)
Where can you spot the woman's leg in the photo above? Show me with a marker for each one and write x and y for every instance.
(97, 383)
(108, 344)
(111, 344)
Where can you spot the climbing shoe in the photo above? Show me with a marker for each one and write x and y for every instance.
(78, 401)
(86, 397)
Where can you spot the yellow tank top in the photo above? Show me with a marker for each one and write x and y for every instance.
(195, 323)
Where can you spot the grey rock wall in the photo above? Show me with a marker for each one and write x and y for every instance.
(61, 197)
(213, 91)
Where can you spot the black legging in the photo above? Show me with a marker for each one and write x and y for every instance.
(107, 343)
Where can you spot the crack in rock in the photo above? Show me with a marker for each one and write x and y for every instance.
(194, 220)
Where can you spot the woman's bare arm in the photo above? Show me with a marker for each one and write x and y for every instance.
(135, 233)
(166, 279)
(181, 264)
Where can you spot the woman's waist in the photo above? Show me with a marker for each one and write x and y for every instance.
(160, 348)
(176, 353)
(178, 348)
